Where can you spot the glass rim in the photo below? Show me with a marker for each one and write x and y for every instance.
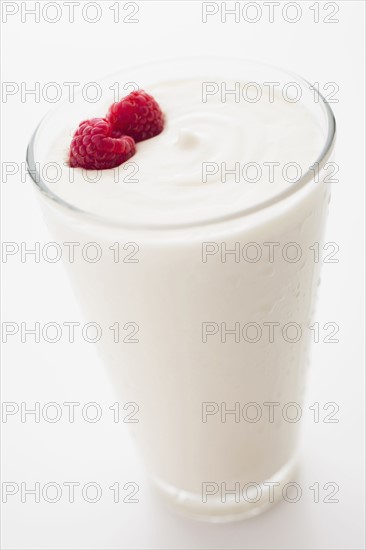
(291, 190)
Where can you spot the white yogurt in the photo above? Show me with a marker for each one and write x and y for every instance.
(170, 292)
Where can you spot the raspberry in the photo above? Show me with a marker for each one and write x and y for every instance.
(137, 115)
(93, 146)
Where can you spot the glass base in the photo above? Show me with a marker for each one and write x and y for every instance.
(223, 503)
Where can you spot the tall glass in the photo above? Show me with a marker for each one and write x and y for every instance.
(206, 323)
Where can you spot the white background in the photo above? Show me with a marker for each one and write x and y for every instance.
(102, 452)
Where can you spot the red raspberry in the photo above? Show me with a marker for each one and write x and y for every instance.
(93, 147)
(137, 115)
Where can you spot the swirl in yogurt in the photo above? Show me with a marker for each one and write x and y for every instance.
(213, 158)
